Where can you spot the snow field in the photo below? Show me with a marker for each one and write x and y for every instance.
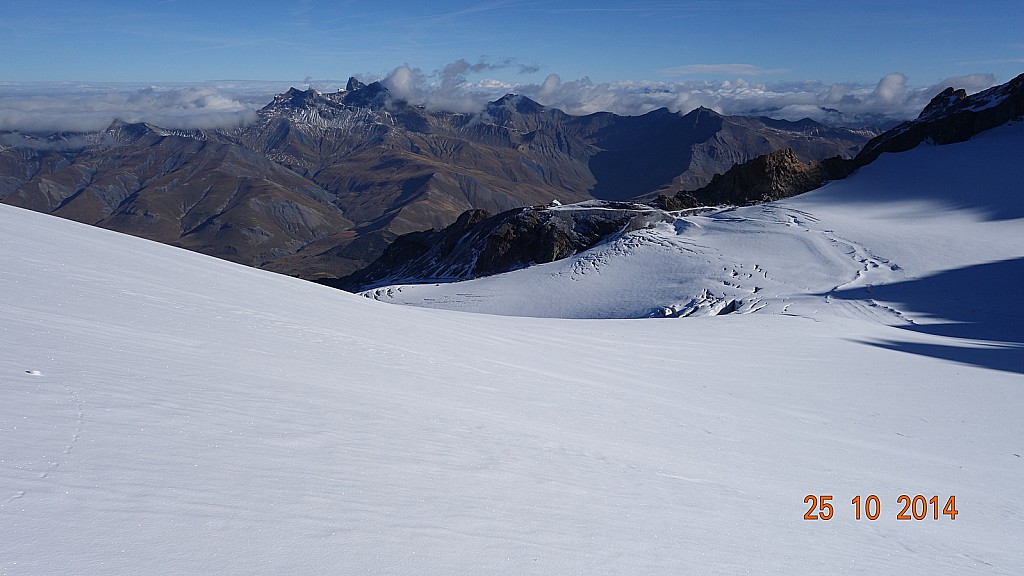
(167, 413)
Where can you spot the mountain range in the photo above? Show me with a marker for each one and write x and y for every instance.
(323, 182)
(481, 244)
(829, 383)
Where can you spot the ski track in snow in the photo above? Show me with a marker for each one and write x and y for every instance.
(58, 461)
(872, 269)
(52, 462)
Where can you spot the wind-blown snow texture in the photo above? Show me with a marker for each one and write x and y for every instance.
(168, 413)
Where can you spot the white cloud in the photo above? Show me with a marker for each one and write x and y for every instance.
(892, 96)
(88, 107)
(405, 83)
(55, 107)
(891, 89)
(448, 88)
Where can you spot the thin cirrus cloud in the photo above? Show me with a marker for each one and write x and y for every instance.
(70, 107)
(721, 70)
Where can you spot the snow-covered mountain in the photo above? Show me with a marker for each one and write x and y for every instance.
(897, 225)
(164, 412)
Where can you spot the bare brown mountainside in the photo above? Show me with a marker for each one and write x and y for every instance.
(321, 183)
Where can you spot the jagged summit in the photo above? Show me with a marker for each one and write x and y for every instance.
(519, 103)
(129, 132)
(942, 102)
(950, 117)
(372, 95)
(293, 98)
(355, 95)
(701, 111)
(122, 131)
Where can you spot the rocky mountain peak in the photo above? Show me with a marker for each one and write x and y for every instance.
(322, 109)
(702, 111)
(372, 95)
(950, 117)
(519, 103)
(130, 132)
(293, 99)
(122, 131)
(942, 102)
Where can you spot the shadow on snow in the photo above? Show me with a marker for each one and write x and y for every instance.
(983, 302)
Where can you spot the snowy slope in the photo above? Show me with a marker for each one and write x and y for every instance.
(167, 413)
(931, 210)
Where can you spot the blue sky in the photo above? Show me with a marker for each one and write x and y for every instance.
(778, 43)
(198, 40)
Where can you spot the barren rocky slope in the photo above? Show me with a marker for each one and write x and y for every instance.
(321, 183)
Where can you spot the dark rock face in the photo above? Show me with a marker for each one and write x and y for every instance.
(323, 181)
(942, 102)
(770, 177)
(950, 117)
(479, 244)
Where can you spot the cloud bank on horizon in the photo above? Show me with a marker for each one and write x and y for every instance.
(53, 107)
(892, 97)
(73, 107)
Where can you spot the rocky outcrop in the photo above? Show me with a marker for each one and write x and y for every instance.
(951, 117)
(770, 177)
(942, 102)
(479, 244)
